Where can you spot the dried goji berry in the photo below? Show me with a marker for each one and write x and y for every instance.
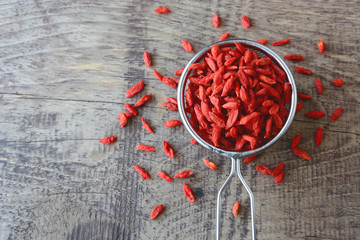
(315, 114)
(303, 96)
(179, 71)
(319, 86)
(299, 106)
(264, 169)
(170, 106)
(224, 36)
(235, 209)
(210, 164)
(162, 10)
(294, 57)
(172, 100)
(249, 159)
(172, 123)
(184, 174)
(123, 119)
(303, 70)
(336, 114)
(156, 211)
(295, 141)
(193, 141)
(187, 46)
(142, 100)
(279, 177)
(188, 193)
(157, 75)
(146, 125)
(278, 169)
(216, 21)
(319, 134)
(108, 140)
(245, 21)
(144, 147)
(262, 41)
(301, 153)
(135, 89)
(338, 82)
(147, 59)
(143, 173)
(168, 81)
(321, 46)
(168, 149)
(131, 109)
(165, 176)
(281, 42)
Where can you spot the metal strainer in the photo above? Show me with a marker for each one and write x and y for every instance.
(236, 156)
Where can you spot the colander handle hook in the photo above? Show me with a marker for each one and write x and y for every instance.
(218, 207)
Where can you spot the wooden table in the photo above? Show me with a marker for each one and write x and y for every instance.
(65, 68)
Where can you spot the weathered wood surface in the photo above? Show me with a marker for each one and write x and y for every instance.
(64, 70)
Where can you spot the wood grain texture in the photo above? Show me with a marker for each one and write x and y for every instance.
(64, 69)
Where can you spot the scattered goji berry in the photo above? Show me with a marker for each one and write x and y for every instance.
(172, 123)
(235, 209)
(319, 86)
(108, 140)
(245, 21)
(278, 169)
(146, 125)
(156, 211)
(179, 71)
(262, 41)
(303, 96)
(168, 149)
(279, 177)
(144, 147)
(123, 119)
(321, 46)
(162, 10)
(131, 109)
(338, 82)
(210, 164)
(315, 114)
(193, 141)
(165, 176)
(294, 57)
(319, 134)
(295, 141)
(143, 173)
(224, 36)
(188, 193)
(170, 106)
(301, 153)
(216, 21)
(299, 106)
(264, 169)
(336, 114)
(184, 174)
(187, 46)
(144, 99)
(303, 70)
(135, 89)
(172, 100)
(157, 75)
(281, 42)
(147, 59)
(249, 159)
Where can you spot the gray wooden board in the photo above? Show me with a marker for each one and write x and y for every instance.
(64, 69)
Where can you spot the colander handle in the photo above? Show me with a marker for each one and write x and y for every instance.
(218, 207)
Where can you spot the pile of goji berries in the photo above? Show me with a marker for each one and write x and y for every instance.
(236, 101)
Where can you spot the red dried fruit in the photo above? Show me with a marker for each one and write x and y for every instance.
(143, 173)
(162, 10)
(144, 99)
(338, 82)
(315, 114)
(169, 151)
(262, 41)
(135, 89)
(147, 59)
(144, 147)
(279, 177)
(131, 109)
(299, 106)
(187, 46)
(210, 164)
(301, 153)
(281, 42)
(165, 176)
(336, 114)
(193, 141)
(123, 119)
(245, 21)
(146, 125)
(303, 96)
(216, 21)
(264, 169)
(172, 123)
(188, 193)
(157, 75)
(224, 36)
(303, 70)
(172, 100)
(179, 71)
(319, 134)
(184, 174)
(295, 141)
(156, 211)
(278, 169)
(168, 81)
(294, 57)
(108, 140)
(235, 209)
(319, 86)
(274, 109)
(321, 46)
(170, 106)
(249, 159)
